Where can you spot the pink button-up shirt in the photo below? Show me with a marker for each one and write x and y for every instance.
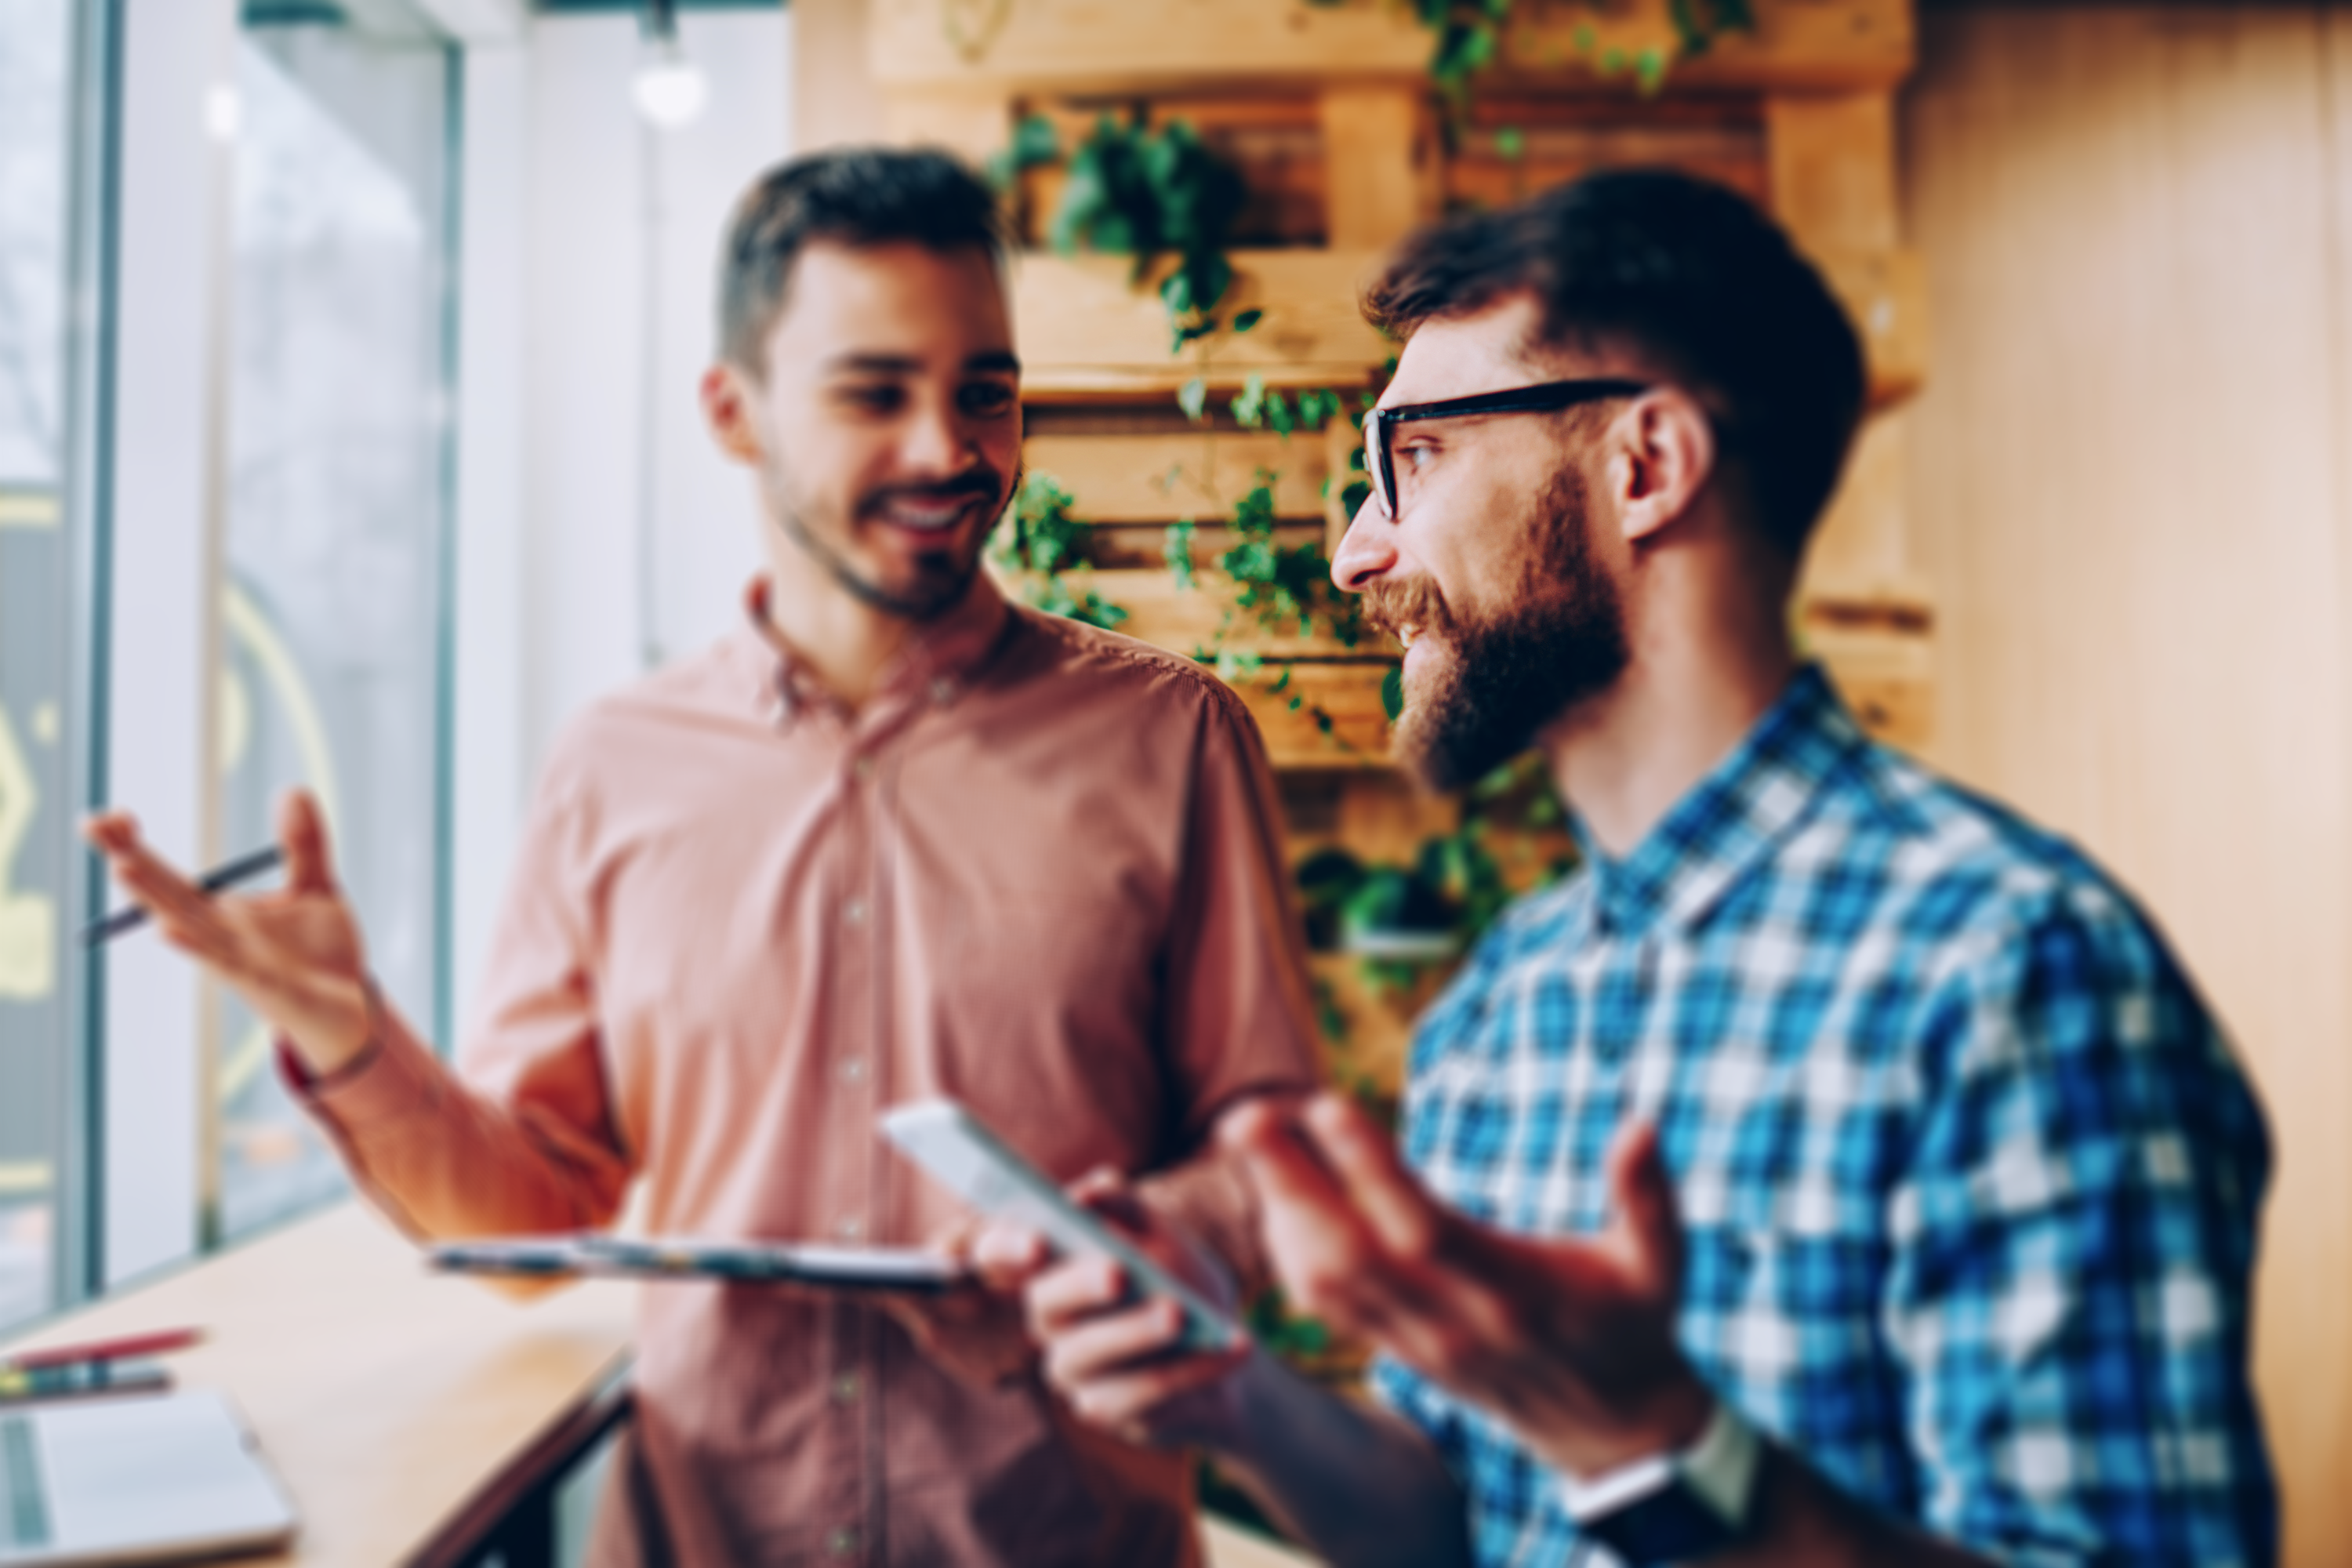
(1041, 871)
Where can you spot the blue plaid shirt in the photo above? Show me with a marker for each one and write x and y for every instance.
(1969, 1175)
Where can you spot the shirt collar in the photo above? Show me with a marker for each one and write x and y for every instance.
(936, 665)
(1730, 819)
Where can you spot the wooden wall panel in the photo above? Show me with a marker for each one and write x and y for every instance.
(1862, 548)
(1200, 475)
(1118, 45)
(1833, 167)
(2130, 491)
(1376, 141)
(974, 126)
(1088, 329)
(1553, 138)
(834, 99)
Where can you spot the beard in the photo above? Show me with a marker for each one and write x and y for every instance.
(941, 578)
(1501, 679)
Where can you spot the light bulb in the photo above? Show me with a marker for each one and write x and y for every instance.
(223, 111)
(669, 88)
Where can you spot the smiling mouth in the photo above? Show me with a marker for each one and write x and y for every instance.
(927, 514)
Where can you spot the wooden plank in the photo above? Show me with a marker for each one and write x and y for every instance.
(1385, 817)
(1861, 550)
(1159, 478)
(1377, 163)
(1832, 162)
(1798, 45)
(1886, 292)
(1136, 383)
(1115, 45)
(1087, 327)
(1089, 330)
(1886, 678)
(1553, 139)
(1140, 45)
(973, 124)
(835, 103)
(1350, 694)
(1379, 1024)
(1189, 621)
(1863, 609)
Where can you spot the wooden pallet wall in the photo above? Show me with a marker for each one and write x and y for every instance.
(1329, 113)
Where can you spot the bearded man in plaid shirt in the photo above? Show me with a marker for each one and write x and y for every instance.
(1835, 1168)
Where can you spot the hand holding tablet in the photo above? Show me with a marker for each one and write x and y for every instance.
(965, 1157)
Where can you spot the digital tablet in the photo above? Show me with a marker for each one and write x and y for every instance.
(963, 1156)
(907, 1270)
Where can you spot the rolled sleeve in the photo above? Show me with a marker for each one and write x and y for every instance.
(1240, 1019)
(525, 1139)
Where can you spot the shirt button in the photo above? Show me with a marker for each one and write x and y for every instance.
(841, 1542)
(850, 1228)
(854, 911)
(844, 1388)
(862, 769)
(854, 1070)
(944, 692)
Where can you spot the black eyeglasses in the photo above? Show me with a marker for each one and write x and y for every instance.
(1379, 463)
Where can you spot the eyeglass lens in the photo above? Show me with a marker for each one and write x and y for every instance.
(1376, 463)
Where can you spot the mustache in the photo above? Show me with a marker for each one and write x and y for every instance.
(1390, 606)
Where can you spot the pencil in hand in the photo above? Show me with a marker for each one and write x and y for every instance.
(244, 869)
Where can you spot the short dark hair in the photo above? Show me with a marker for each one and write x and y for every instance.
(851, 195)
(1687, 274)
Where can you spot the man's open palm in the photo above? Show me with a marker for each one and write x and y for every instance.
(1570, 1340)
(294, 955)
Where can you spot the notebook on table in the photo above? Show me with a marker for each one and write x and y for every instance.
(147, 1479)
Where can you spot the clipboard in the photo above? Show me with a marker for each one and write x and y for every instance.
(902, 1270)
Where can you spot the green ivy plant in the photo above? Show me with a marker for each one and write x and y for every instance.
(1144, 192)
(1283, 590)
(1458, 885)
(1468, 35)
(1044, 542)
(1034, 142)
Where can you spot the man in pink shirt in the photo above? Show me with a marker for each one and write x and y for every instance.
(892, 837)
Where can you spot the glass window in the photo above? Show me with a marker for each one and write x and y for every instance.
(335, 601)
(35, 71)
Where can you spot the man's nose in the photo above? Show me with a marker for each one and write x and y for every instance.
(1367, 550)
(935, 443)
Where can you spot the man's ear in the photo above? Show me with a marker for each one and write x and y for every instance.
(726, 395)
(1662, 454)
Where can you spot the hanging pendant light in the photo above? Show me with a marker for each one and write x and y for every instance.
(669, 88)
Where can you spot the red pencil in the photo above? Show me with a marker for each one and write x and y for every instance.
(154, 1343)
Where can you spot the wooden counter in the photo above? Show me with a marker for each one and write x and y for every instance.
(404, 1410)
(388, 1398)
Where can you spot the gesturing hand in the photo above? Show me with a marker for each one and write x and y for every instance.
(1569, 1340)
(294, 955)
